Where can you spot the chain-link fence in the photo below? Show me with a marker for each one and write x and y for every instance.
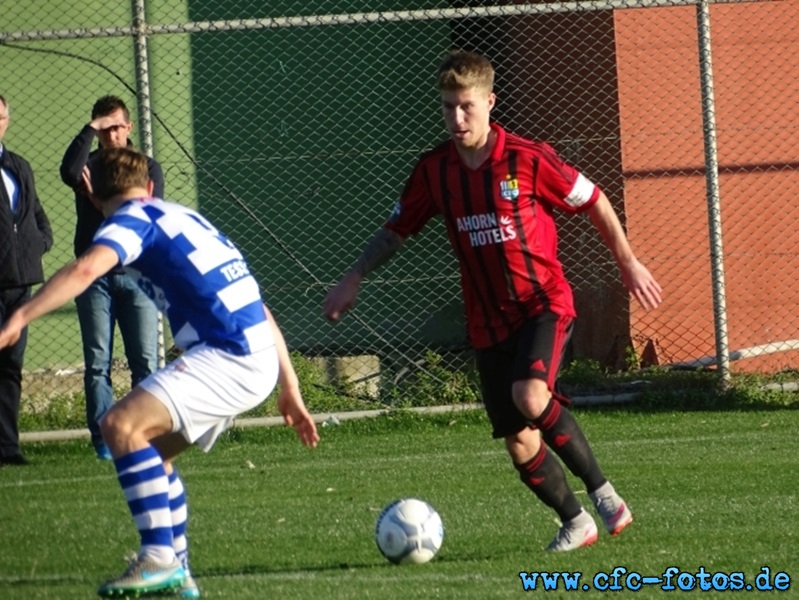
(293, 126)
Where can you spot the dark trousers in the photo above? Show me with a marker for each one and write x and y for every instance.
(11, 359)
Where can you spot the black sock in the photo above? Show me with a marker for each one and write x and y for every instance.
(562, 433)
(545, 477)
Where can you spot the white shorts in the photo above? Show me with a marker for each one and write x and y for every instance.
(206, 388)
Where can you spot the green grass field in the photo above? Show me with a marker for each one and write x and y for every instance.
(272, 519)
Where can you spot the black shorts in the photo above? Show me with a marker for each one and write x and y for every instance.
(534, 351)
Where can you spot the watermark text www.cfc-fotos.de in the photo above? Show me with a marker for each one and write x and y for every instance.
(671, 579)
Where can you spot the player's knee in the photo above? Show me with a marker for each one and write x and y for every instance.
(114, 424)
(532, 405)
(531, 397)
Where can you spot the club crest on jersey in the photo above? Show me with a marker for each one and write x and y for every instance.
(509, 189)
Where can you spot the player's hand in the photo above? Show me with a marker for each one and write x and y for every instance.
(291, 406)
(86, 175)
(642, 285)
(342, 297)
(9, 335)
(107, 122)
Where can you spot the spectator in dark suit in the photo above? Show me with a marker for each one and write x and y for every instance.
(25, 236)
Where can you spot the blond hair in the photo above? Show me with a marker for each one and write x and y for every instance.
(464, 70)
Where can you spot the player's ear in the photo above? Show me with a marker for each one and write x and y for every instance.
(150, 187)
(492, 100)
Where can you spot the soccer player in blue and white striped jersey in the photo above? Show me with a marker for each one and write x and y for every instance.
(233, 355)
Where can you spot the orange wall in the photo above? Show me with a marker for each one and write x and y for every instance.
(756, 80)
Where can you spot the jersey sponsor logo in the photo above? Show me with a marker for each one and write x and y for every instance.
(235, 270)
(509, 188)
(486, 229)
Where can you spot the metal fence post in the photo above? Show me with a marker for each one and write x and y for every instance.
(145, 117)
(712, 183)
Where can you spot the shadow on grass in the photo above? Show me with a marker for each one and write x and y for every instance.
(265, 570)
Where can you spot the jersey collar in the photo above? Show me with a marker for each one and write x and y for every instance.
(499, 147)
(496, 152)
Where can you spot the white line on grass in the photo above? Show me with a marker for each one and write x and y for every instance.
(65, 481)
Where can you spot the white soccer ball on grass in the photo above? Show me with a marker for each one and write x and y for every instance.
(409, 530)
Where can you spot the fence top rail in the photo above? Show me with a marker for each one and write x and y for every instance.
(358, 18)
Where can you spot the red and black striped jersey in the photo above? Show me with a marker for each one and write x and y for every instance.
(500, 222)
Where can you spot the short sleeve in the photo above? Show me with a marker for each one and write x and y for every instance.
(125, 232)
(415, 206)
(560, 184)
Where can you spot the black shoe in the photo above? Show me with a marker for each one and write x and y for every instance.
(16, 460)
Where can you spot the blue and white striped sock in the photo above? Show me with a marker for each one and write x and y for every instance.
(180, 517)
(146, 486)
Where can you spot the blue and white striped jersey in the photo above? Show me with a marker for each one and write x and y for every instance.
(192, 272)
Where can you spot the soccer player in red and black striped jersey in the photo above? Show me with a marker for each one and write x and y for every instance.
(497, 193)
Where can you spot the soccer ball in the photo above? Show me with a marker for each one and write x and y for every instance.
(409, 531)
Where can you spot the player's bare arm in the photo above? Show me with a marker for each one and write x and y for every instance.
(636, 277)
(289, 401)
(378, 251)
(67, 283)
(383, 245)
